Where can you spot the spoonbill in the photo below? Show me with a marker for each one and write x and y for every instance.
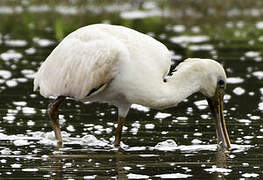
(120, 66)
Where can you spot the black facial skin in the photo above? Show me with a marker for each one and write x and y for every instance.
(221, 83)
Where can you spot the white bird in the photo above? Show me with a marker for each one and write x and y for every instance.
(120, 66)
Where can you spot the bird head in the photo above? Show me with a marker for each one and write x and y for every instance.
(213, 87)
(208, 77)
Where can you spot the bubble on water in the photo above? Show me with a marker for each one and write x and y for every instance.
(250, 175)
(252, 54)
(235, 80)
(30, 169)
(204, 116)
(127, 168)
(28, 110)
(173, 176)
(198, 134)
(235, 148)
(16, 43)
(164, 132)
(98, 127)
(140, 108)
(258, 74)
(136, 124)
(196, 141)
(182, 118)
(3, 161)
(30, 123)
(195, 29)
(201, 104)
(67, 165)
(3, 136)
(178, 28)
(168, 145)
(203, 47)
(189, 39)
(43, 42)
(246, 121)
(5, 74)
(134, 131)
(71, 128)
(10, 10)
(245, 164)
(9, 118)
(260, 106)
(137, 176)
(21, 142)
(90, 177)
(259, 25)
(176, 57)
(6, 151)
(16, 165)
(20, 103)
(30, 51)
(239, 91)
(21, 80)
(160, 115)
(11, 54)
(67, 10)
(39, 8)
(108, 130)
(149, 126)
(135, 148)
(150, 5)
(248, 137)
(28, 73)
(162, 146)
(251, 93)
(149, 155)
(93, 141)
(6, 10)
(218, 169)
(137, 14)
(11, 83)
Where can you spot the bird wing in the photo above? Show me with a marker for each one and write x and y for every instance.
(77, 66)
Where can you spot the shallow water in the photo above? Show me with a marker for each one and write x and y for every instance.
(175, 143)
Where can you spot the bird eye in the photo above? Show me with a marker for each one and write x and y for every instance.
(221, 83)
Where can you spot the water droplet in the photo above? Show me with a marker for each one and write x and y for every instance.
(160, 115)
(149, 126)
(239, 91)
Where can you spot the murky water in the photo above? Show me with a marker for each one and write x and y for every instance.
(175, 143)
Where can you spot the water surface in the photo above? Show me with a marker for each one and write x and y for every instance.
(175, 143)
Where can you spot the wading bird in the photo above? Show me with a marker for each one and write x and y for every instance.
(120, 66)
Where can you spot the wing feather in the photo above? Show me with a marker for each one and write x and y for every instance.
(75, 67)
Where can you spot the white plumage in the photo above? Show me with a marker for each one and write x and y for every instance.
(120, 66)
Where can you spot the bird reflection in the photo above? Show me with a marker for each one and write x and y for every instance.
(221, 158)
(120, 164)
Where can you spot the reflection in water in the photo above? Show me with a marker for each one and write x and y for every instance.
(221, 162)
(221, 158)
(121, 175)
(171, 143)
(57, 169)
(63, 164)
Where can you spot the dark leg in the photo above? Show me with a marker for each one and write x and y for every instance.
(121, 121)
(53, 116)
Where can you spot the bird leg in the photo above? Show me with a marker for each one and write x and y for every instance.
(53, 116)
(121, 121)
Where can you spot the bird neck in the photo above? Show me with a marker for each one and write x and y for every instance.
(183, 84)
(179, 86)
